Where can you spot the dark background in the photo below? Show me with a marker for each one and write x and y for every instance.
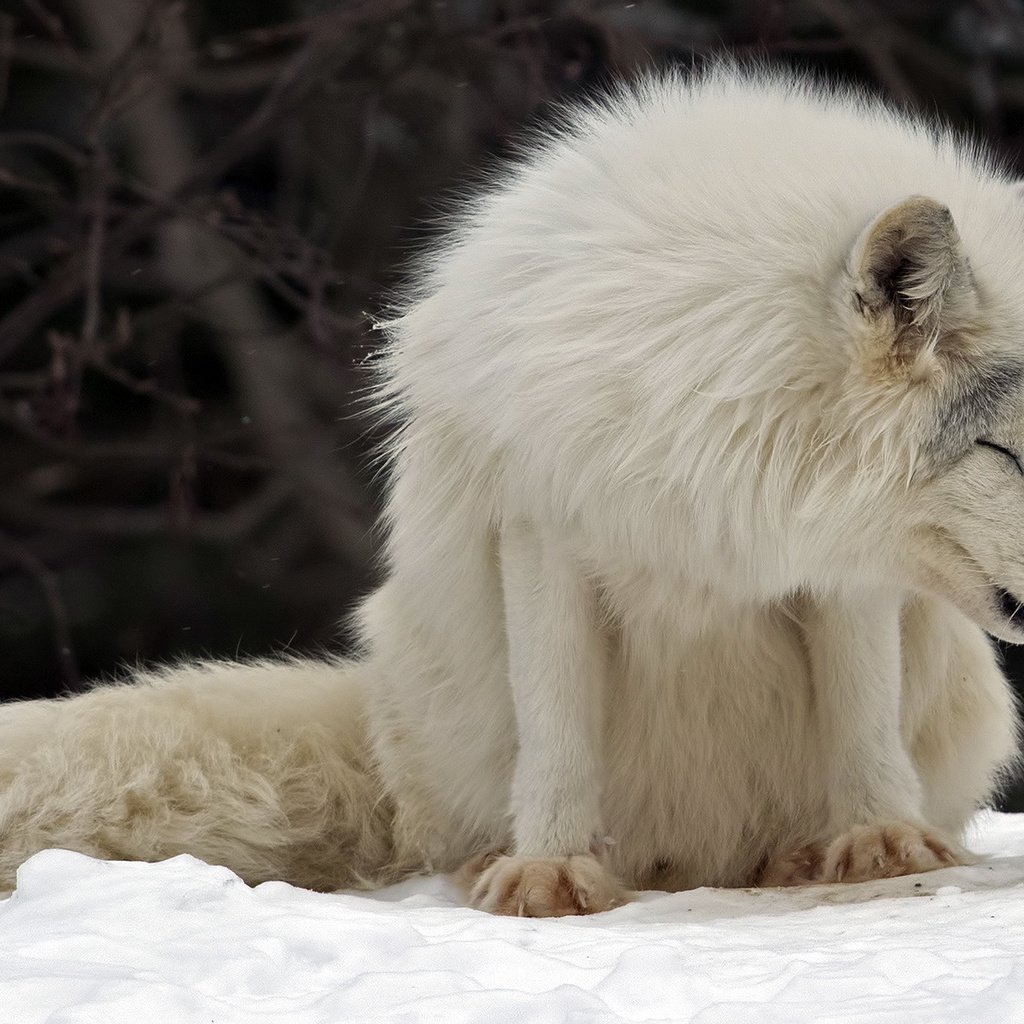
(201, 203)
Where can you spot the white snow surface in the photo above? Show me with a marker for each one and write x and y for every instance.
(181, 942)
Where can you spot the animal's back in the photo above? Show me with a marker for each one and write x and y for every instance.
(642, 290)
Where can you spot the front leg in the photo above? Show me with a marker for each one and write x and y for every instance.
(856, 666)
(556, 671)
(876, 827)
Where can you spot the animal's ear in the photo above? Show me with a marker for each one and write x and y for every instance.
(910, 273)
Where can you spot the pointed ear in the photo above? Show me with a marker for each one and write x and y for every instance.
(909, 270)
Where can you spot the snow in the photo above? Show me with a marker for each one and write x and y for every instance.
(180, 942)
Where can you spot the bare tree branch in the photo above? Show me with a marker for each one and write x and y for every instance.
(47, 583)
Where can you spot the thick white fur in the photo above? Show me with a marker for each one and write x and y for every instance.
(684, 547)
(264, 767)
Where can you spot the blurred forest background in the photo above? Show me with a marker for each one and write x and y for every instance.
(201, 204)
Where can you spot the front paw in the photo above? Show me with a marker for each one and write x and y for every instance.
(541, 886)
(888, 850)
(865, 852)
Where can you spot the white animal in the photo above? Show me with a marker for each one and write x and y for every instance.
(708, 485)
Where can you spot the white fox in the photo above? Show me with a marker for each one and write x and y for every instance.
(708, 484)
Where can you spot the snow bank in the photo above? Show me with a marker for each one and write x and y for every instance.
(185, 943)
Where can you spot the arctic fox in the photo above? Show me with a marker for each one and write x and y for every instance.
(707, 487)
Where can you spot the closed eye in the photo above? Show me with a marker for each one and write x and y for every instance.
(1008, 452)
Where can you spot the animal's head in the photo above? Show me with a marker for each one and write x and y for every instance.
(941, 343)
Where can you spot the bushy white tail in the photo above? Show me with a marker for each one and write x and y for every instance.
(261, 767)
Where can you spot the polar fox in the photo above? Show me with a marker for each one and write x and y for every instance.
(709, 483)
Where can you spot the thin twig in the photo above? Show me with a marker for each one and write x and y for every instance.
(94, 250)
(222, 528)
(50, 589)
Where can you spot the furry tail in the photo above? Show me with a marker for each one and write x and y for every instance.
(262, 767)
